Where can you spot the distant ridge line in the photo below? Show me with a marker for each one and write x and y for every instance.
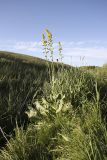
(21, 57)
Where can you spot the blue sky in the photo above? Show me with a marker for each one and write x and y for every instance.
(81, 26)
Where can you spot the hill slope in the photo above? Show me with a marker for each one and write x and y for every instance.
(20, 77)
(21, 57)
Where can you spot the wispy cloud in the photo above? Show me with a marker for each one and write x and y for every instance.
(95, 52)
(28, 46)
(31, 48)
(92, 56)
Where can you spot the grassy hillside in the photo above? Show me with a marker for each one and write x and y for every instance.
(21, 58)
(66, 107)
(18, 73)
(20, 77)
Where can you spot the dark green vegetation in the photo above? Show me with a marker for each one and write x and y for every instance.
(20, 77)
(66, 107)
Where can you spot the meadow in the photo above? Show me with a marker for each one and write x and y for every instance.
(51, 111)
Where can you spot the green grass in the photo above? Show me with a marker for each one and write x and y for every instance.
(9, 56)
(66, 106)
(20, 77)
